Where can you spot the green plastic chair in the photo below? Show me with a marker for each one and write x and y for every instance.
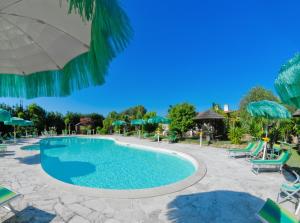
(3, 148)
(290, 192)
(271, 212)
(244, 151)
(279, 162)
(259, 148)
(6, 196)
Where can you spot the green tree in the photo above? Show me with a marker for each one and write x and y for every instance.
(38, 115)
(149, 127)
(55, 119)
(182, 116)
(136, 112)
(257, 94)
(71, 119)
(97, 119)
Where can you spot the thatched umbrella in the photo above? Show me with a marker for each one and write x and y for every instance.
(209, 115)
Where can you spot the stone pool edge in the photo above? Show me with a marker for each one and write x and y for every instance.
(136, 193)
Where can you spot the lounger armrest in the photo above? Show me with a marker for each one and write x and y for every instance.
(297, 177)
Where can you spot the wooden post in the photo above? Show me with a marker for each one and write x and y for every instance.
(201, 136)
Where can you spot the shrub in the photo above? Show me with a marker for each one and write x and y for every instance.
(235, 135)
(102, 131)
(256, 129)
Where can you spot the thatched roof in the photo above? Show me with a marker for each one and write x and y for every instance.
(208, 115)
(297, 113)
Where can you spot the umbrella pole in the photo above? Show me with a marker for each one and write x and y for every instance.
(15, 133)
(265, 144)
(201, 138)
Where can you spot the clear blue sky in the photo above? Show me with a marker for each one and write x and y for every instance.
(192, 51)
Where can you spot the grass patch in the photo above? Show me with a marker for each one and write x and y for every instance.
(294, 161)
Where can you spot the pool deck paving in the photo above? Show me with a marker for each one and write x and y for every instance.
(229, 192)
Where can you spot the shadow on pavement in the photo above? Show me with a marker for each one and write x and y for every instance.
(215, 206)
(32, 215)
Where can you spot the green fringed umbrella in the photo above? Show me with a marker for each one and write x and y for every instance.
(140, 122)
(27, 123)
(287, 83)
(4, 115)
(159, 120)
(269, 110)
(119, 123)
(54, 47)
(15, 121)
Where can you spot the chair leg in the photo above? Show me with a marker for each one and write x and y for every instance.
(278, 195)
(7, 208)
(297, 209)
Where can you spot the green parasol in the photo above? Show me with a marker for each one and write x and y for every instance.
(119, 123)
(269, 110)
(159, 120)
(54, 47)
(26, 123)
(138, 122)
(4, 115)
(15, 121)
(287, 83)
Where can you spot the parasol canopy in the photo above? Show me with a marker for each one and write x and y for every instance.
(268, 109)
(28, 123)
(54, 47)
(287, 83)
(159, 120)
(15, 121)
(4, 115)
(119, 123)
(25, 123)
(138, 122)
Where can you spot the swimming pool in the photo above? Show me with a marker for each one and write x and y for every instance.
(105, 164)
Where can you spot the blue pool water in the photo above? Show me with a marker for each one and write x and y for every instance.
(101, 163)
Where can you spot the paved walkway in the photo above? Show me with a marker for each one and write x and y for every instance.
(229, 192)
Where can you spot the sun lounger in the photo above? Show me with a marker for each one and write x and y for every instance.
(290, 192)
(271, 212)
(6, 196)
(3, 148)
(257, 150)
(242, 152)
(279, 162)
